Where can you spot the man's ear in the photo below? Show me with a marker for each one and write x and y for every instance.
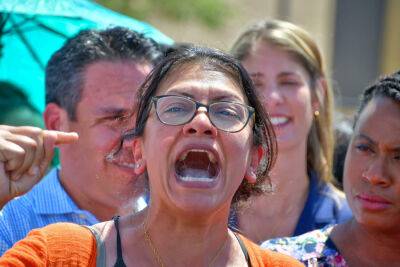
(257, 154)
(56, 118)
(140, 161)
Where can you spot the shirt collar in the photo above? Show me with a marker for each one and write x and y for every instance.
(50, 196)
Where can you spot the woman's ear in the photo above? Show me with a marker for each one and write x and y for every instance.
(321, 87)
(140, 161)
(256, 157)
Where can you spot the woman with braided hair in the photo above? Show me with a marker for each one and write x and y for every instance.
(372, 186)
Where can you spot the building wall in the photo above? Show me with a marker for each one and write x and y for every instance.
(390, 53)
(360, 39)
(315, 15)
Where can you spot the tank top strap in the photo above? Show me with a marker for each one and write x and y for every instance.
(243, 247)
(120, 261)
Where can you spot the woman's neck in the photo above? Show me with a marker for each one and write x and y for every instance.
(182, 241)
(289, 174)
(277, 214)
(369, 247)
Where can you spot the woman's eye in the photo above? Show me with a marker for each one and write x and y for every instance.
(290, 83)
(228, 113)
(174, 109)
(364, 148)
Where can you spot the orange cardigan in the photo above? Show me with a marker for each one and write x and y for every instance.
(67, 244)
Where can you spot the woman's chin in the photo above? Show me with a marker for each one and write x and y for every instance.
(198, 197)
(199, 205)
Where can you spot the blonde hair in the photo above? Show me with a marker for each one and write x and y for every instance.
(297, 42)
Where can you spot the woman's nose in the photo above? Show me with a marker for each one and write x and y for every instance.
(376, 173)
(272, 95)
(200, 125)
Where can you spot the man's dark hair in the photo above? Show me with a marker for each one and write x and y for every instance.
(65, 69)
(386, 86)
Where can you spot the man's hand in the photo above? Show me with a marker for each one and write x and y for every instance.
(25, 154)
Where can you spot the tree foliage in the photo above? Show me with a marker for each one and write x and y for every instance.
(209, 12)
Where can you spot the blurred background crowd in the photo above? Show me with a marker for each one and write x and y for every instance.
(359, 38)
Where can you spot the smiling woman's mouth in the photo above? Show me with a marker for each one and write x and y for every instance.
(197, 165)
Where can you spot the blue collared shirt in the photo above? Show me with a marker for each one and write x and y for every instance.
(325, 205)
(46, 203)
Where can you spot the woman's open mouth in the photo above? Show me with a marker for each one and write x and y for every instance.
(197, 165)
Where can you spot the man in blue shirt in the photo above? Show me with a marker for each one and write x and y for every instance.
(90, 90)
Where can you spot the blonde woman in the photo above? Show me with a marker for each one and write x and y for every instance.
(287, 69)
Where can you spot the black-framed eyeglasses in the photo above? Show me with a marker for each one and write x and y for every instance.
(225, 115)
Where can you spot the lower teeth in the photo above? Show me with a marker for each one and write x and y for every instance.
(191, 179)
(195, 175)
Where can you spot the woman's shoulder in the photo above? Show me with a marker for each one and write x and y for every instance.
(334, 200)
(77, 238)
(264, 257)
(330, 202)
(58, 243)
(311, 247)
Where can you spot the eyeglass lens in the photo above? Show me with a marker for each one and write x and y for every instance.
(227, 116)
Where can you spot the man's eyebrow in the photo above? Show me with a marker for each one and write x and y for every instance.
(113, 111)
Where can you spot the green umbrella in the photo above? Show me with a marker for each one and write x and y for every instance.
(32, 30)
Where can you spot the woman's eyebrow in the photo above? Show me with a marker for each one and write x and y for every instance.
(227, 98)
(396, 149)
(364, 136)
(256, 75)
(178, 93)
(214, 99)
(288, 74)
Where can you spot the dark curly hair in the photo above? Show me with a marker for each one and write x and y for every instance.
(215, 60)
(386, 86)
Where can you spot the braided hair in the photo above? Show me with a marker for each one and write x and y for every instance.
(386, 86)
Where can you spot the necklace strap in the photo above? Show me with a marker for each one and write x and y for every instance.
(159, 260)
(152, 247)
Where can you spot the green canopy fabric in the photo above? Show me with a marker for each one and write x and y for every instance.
(32, 30)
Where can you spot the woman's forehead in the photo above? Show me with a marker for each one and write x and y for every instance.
(199, 80)
(380, 112)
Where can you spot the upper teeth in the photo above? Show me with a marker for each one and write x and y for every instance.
(278, 120)
(210, 155)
